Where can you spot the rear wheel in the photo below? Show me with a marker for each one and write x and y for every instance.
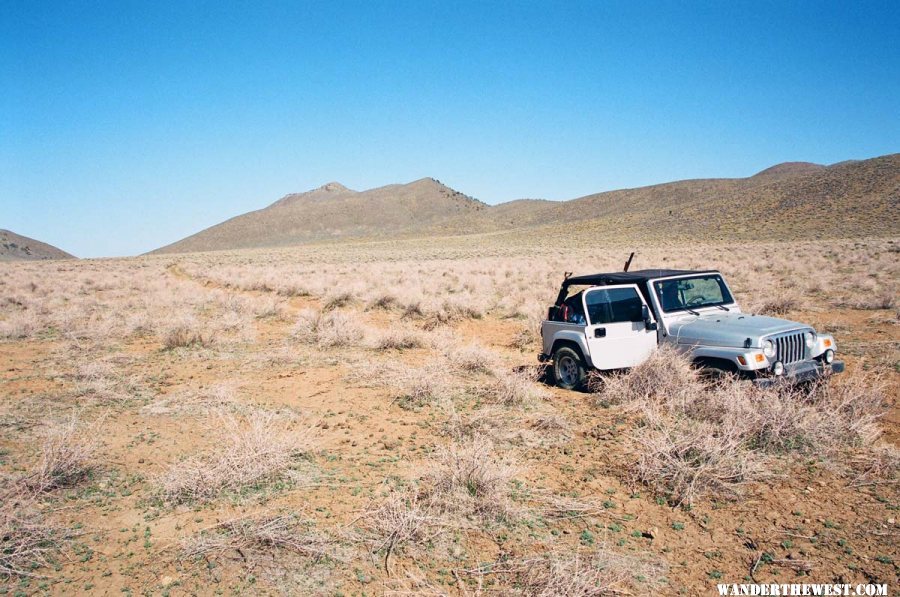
(568, 368)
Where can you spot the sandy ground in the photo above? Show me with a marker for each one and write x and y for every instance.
(807, 524)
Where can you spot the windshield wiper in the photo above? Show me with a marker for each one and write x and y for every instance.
(723, 308)
(691, 311)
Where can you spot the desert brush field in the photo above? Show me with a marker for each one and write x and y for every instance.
(369, 418)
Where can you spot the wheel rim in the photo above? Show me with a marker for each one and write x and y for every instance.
(568, 370)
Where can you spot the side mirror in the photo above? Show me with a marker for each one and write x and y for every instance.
(645, 315)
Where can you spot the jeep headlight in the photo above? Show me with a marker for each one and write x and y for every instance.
(810, 338)
(768, 348)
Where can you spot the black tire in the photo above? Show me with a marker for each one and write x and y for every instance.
(716, 370)
(569, 371)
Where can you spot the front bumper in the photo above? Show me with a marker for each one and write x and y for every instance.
(803, 371)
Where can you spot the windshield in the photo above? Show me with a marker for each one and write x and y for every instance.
(684, 294)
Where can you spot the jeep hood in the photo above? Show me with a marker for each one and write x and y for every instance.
(728, 329)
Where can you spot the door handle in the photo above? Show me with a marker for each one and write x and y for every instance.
(599, 332)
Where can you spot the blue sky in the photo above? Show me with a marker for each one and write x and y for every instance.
(128, 125)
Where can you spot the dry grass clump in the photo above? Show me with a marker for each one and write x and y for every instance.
(527, 337)
(490, 421)
(27, 540)
(67, 455)
(515, 388)
(685, 458)
(250, 452)
(449, 311)
(327, 329)
(408, 385)
(886, 299)
(257, 536)
(699, 438)
(665, 375)
(851, 407)
(775, 305)
(215, 398)
(400, 520)
(467, 479)
(384, 302)
(553, 425)
(470, 477)
(881, 463)
(337, 300)
(467, 358)
(399, 339)
(599, 572)
(187, 333)
(19, 325)
(104, 380)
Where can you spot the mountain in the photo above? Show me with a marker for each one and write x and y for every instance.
(14, 247)
(335, 212)
(792, 201)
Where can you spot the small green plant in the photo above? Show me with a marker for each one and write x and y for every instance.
(678, 526)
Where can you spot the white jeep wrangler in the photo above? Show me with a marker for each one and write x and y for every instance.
(616, 320)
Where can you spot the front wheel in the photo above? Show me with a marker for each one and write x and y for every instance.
(568, 368)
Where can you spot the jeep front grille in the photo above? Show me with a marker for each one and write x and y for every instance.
(790, 347)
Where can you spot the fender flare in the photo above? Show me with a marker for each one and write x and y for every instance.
(701, 354)
(577, 341)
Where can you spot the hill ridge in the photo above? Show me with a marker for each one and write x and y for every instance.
(15, 247)
(857, 197)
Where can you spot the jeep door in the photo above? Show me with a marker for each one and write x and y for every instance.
(618, 336)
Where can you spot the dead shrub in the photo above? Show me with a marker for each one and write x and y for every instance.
(601, 572)
(337, 300)
(412, 310)
(215, 398)
(383, 302)
(252, 451)
(411, 386)
(400, 520)
(776, 305)
(257, 536)
(66, 457)
(185, 334)
(685, 459)
(469, 477)
(327, 329)
(448, 312)
(18, 326)
(27, 540)
(700, 438)
(665, 375)
(553, 425)
(525, 338)
(883, 300)
(515, 388)
(880, 463)
(467, 358)
(850, 408)
(399, 339)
